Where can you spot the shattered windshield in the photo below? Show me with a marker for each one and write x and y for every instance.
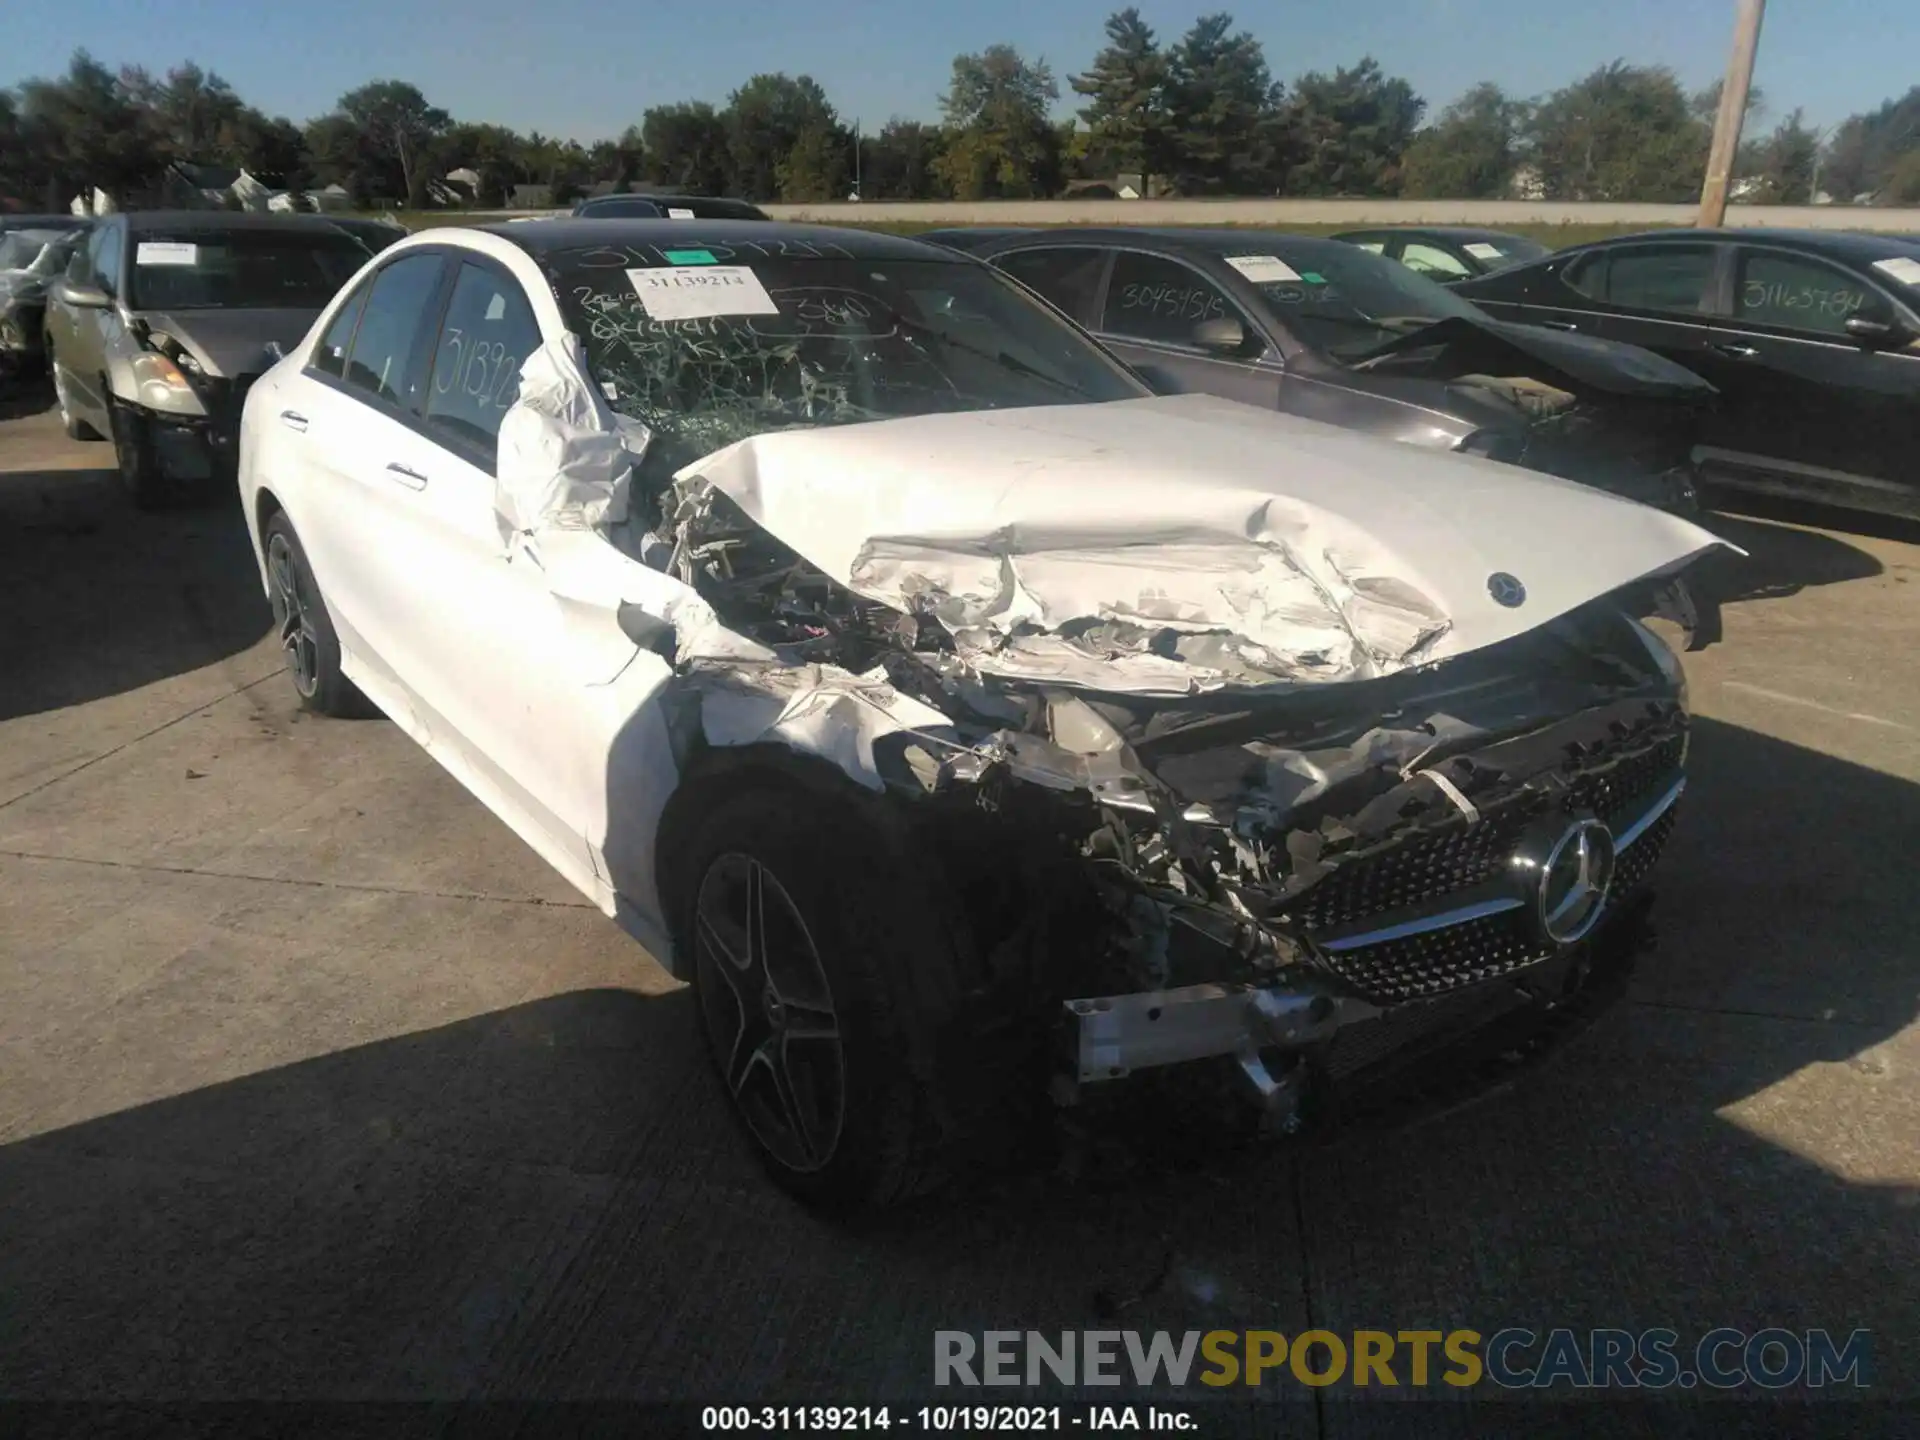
(708, 344)
(1340, 299)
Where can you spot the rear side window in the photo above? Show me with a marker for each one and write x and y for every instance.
(330, 355)
(489, 330)
(1153, 298)
(1069, 278)
(381, 361)
(1669, 278)
(1791, 292)
(1373, 245)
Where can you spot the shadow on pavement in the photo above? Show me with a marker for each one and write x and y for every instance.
(1780, 560)
(550, 1201)
(100, 599)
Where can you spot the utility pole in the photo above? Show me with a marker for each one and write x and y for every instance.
(1733, 113)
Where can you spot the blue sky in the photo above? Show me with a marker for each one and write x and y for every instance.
(585, 69)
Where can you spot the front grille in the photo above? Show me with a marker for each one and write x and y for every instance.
(1456, 857)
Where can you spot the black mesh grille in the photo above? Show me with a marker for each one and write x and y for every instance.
(1618, 793)
(1454, 857)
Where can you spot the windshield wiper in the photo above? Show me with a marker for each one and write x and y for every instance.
(998, 357)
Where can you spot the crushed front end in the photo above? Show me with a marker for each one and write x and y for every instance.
(1292, 887)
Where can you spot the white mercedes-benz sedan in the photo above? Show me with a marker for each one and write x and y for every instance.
(975, 730)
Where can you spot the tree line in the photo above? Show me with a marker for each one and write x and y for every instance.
(1202, 115)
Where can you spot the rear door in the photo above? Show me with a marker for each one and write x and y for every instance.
(1149, 316)
(1807, 407)
(360, 392)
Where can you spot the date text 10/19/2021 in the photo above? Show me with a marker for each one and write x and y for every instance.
(941, 1419)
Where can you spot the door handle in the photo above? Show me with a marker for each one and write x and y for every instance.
(412, 479)
(1558, 325)
(293, 420)
(1734, 352)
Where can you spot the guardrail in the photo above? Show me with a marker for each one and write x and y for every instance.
(1491, 213)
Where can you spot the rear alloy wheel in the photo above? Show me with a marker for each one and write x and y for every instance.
(769, 1013)
(305, 629)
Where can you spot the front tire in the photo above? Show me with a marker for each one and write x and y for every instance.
(305, 628)
(133, 454)
(801, 948)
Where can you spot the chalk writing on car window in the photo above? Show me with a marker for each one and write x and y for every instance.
(1813, 299)
(485, 371)
(1176, 302)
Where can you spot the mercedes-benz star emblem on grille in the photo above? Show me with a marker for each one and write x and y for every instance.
(1573, 881)
(1506, 589)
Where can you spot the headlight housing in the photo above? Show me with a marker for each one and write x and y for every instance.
(160, 384)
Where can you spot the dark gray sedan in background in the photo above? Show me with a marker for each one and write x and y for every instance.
(1325, 330)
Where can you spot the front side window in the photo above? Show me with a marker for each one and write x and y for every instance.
(1069, 278)
(1791, 292)
(187, 269)
(381, 360)
(1153, 298)
(488, 331)
(1425, 259)
(708, 343)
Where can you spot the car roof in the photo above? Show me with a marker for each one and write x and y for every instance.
(144, 222)
(1859, 246)
(696, 203)
(44, 222)
(1447, 232)
(582, 234)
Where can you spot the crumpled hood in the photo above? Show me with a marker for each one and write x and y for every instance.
(233, 342)
(1185, 543)
(1607, 365)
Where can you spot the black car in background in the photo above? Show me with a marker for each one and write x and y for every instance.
(1811, 337)
(376, 235)
(666, 207)
(1326, 331)
(1448, 253)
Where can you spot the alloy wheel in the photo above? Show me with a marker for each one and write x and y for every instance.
(769, 1012)
(292, 616)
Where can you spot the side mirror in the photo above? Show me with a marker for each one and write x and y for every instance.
(81, 297)
(1874, 332)
(1223, 335)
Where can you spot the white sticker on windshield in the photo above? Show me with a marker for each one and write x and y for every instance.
(1263, 269)
(676, 213)
(166, 252)
(1902, 268)
(1480, 250)
(678, 292)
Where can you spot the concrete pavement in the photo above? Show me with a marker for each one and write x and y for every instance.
(314, 1082)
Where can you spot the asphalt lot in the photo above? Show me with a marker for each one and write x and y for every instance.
(315, 1082)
